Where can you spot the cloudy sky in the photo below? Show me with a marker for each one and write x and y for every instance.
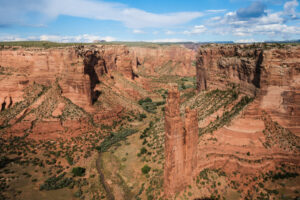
(149, 20)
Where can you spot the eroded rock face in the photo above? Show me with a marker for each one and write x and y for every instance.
(220, 65)
(78, 70)
(174, 145)
(44, 67)
(272, 75)
(181, 139)
(191, 142)
(263, 136)
(166, 60)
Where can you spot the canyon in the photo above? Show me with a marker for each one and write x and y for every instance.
(81, 72)
(268, 127)
(151, 121)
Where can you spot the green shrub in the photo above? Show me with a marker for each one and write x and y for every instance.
(143, 150)
(142, 116)
(105, 127)
(114, 138)
(284, 175)
(56, 182)
(148, 105)
(145, 142)
(4, 161)
(78, 171)
(146, 100)
(146, 169)
(69, 159)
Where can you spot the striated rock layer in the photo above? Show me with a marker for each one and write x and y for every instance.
(270, 74)
(79, 69)
(264, 135)
(166, 60)
(181, 141)
(108, 75)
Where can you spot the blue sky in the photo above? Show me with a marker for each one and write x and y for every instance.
(149, 20)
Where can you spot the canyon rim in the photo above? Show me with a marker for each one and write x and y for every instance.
(149, 100)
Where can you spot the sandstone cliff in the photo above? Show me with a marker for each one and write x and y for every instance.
(107, 74)
(79, 69)
(181, 141)
(165, 60)
(270, 74)
(248, 116)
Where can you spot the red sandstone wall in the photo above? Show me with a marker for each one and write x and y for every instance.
(179, 58)
(44, 67)
(181, 140)
(77, 70)
(272, 75)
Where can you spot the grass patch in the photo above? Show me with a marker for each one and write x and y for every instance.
(115, 138)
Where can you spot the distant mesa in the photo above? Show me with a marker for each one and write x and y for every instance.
(99, 41)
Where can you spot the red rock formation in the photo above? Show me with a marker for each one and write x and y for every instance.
(166, 60)
(191, 142)
(44, 66)
(272, 75)
(78, 70)
(181, 141)
(174, 145)
(220, 65)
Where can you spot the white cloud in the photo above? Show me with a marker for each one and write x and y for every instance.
(246, 41)
(271, 18)
(170, 33)
(138, 31)
(17, 12)
(6, 38)
(216, 11)
(290, 8)
(171, 40)
(216, 18)
(196, 30)
(269, 24)
(85, 38)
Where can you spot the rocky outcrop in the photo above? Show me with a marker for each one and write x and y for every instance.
(191, 142)
(165, 60)
(259, 139)
(44, 67)
(181, 141)
(270, 74)
(78, 70)
(221, 65)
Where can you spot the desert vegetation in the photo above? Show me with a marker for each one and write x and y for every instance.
(96, 130)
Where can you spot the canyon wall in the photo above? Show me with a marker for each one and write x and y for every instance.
(220, 65)
(21, 67)
(181, 139)
(166, 60)
(262, 136)
(79, 69)
(271, 74)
